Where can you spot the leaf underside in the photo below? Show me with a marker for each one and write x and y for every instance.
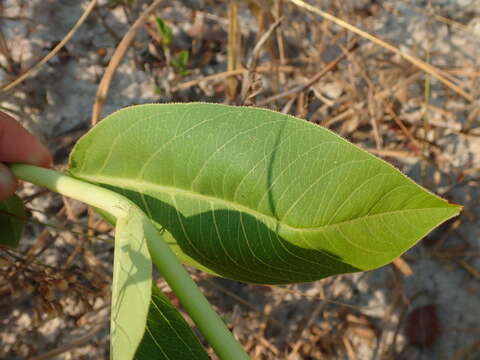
(255, 195)
(131, 288)
(12, 221)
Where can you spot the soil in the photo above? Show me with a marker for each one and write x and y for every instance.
(424, 306)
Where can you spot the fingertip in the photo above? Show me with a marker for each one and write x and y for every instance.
(40, 156)
(48, 162)
(18, 145)
(8, 183)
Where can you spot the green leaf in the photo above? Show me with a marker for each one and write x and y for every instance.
(183, 58)
(131, 288)
(165, 32)
(256, 195)
(180, 62)
(12, 221)
(167, 335)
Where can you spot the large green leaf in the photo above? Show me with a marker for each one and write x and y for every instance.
(12, 221)
(167, 335)
(255, 195)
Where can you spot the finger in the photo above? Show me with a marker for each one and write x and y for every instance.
(18, 145)
(7, 182)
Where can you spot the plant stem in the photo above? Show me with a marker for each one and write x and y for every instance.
(198, 307)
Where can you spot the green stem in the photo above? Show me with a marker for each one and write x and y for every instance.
(198, 307)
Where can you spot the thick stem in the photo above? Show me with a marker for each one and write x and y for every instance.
(198, 307)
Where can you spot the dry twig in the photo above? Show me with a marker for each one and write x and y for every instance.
(55, 50)
(233, 47)
(120, 51)
(222, 75)
(313, 80)
(429, 69)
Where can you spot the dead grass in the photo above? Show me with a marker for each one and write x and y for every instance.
(329, 71)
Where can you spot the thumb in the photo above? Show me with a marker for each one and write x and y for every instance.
(7, 182)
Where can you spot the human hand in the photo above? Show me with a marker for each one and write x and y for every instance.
(17, 145)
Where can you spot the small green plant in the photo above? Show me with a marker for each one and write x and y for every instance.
(243, 193)
(165, 32)
(180, 62)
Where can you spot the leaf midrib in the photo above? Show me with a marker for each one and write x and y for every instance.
(137, 185)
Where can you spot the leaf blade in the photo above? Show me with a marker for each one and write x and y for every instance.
(131, 288)
(12, 221)
(167, 335)
(255, 195)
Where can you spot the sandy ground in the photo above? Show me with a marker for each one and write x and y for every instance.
(362, 316)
